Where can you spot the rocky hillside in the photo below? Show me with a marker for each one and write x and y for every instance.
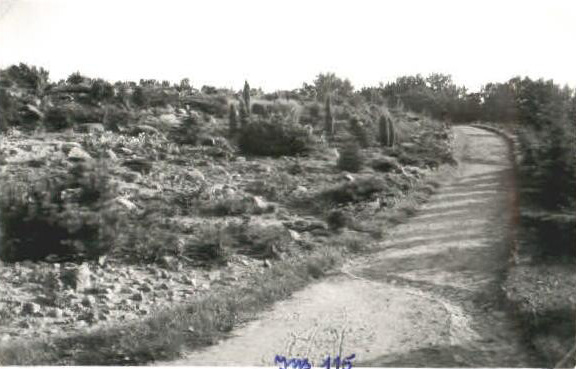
(117, 204)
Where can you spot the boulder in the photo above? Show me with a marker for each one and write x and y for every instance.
(30, 308)
(169, 119)
(126, 203)
(195, 174)
(170, 263)
(306, 225)
(385, 164)
(141, 165)
(90, 128)
(111, 155)
(144, 128)
(78, 154)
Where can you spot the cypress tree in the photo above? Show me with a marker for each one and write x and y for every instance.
(329, 119)
(387, 133)
(246, 96)
(233, 120)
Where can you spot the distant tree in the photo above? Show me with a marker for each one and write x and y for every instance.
(209, 90)
(101, 90)
(330, 84)
(23, 76)
(139, 97)
(185, 85)
(76, 79)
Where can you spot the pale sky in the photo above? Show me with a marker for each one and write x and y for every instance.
(280, 44)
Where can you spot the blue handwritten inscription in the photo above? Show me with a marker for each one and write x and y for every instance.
(328, 363)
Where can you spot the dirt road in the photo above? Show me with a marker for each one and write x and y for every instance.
(430, 298)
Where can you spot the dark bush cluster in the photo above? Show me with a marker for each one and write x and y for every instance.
(68, 215)
(275, 137)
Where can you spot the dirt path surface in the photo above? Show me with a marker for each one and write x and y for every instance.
(430, 297)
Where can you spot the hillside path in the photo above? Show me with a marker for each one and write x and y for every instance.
(431, 297)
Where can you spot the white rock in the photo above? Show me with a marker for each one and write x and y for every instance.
(89, 301)
(78, 154)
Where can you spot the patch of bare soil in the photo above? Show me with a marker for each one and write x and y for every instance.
(429, 297)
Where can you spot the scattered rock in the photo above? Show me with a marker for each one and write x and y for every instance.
(306, 225)
(145, 287)
(90, 128)
(111, 155)
(195, 174)
(187, 280)
(138, 296)
(164, 286)
(348, 177)
(295, 235)
(89, 301)
(214, 275)
(261, 206)
(131, 177)
(30, 308)
(141, 165)
(78, 154)
(56, 313)
(68, 146)
(126, 203)
(144, 128)
(170, 263)
(267, 263)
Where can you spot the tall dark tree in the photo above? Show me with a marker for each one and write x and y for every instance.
(246, 96)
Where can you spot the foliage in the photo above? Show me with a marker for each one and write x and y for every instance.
(387, 130)
(328, 118)
(232, 120)
(23, 76)
(330, 85)
(276, 136)
(360, 132)
(355, 191)
(351, 159)
(246, 96)
(57, 119)
(69, 213)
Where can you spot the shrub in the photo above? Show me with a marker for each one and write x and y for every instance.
(70, 215)
(328, 118)
(275, 137)
(350, 159)
(232, 120)
(338, 219)
(116, 119)
(359, 190)
(57, 119)
(244, 116)
(387, 131)
(359, 131)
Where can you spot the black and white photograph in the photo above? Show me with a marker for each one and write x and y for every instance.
(306, 184)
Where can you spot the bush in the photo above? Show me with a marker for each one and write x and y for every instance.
(57, 119)
(275, 137)
(359, 131)
(359, 190)
(69, 214)
(351, 158)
